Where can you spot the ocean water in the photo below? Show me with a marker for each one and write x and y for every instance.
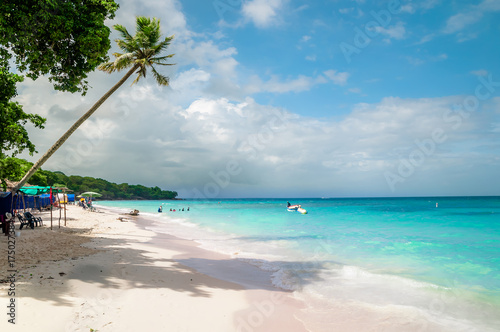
(365, 264)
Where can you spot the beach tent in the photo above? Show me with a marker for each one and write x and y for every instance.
(34, 190)
(45, 200)
(25, 202)
(5, 202)
(10, 202)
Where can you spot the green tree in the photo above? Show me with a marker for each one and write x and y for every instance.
(140, 53)
(79, 184)
(13, 135)
(13, 169)
(60, 38)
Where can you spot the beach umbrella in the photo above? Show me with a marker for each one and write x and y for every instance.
(89, 194)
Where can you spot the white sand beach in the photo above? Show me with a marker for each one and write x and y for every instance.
(99, 273)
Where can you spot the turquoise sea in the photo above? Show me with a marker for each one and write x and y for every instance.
(432, 263)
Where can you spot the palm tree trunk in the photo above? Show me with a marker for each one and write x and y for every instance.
(71, 130)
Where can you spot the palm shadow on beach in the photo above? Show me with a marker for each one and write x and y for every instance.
(118, 268)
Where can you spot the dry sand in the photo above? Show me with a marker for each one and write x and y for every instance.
(99, 273)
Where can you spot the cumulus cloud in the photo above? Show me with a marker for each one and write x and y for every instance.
(263, 13)
(339, 78)
(461, 20)
(186, 136)
(275, 84)
(473, 14)
(397, 31)
(305, 39)
(480, 72)
(141, 136)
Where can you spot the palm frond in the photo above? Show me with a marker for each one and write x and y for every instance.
(160, 79)
(123, 32)
(164, 44)
(149, 27)
(143, 49)
(126, 46)
(107, 67)
(124, 61)
(161, 60)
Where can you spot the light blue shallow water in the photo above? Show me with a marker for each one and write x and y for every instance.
(441, 263)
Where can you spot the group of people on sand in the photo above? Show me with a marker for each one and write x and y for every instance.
(160, 209)
(85, 203)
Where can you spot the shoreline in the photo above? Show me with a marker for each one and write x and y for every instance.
(108, 275)
(339, 294)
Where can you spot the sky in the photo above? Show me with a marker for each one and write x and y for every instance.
(289, 98)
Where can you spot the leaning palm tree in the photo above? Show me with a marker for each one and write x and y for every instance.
(140, 52)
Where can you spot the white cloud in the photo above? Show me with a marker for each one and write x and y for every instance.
(480, 72)
(179, 147)
(169, 12)
(346, 10)
(278, 85)
(413, 7)
(311, 57)
(493, 5)
(408, 8)
(428, 4)
(426, 38)
(305, 39)
(187, 79)
(415, 61)
(263, 13)
(457, 24)
(461, 20)
(177, 137)
(397, 31)
(473, 14)
(203, 53)
(336, 77)
(301, 83)
(419, 61)
(441, 57)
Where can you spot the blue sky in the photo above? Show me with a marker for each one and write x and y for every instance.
(285, 98)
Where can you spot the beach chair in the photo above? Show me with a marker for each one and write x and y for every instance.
(25, 222)
(37, 220)
(90, 207)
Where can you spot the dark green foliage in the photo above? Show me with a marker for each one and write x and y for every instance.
(79, 184)
(64, 39)
(13, 120)
(13, 135)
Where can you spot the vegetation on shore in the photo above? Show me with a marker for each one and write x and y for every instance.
(79, 184)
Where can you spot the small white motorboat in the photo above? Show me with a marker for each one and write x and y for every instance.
(297, 208)
(301, 210)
